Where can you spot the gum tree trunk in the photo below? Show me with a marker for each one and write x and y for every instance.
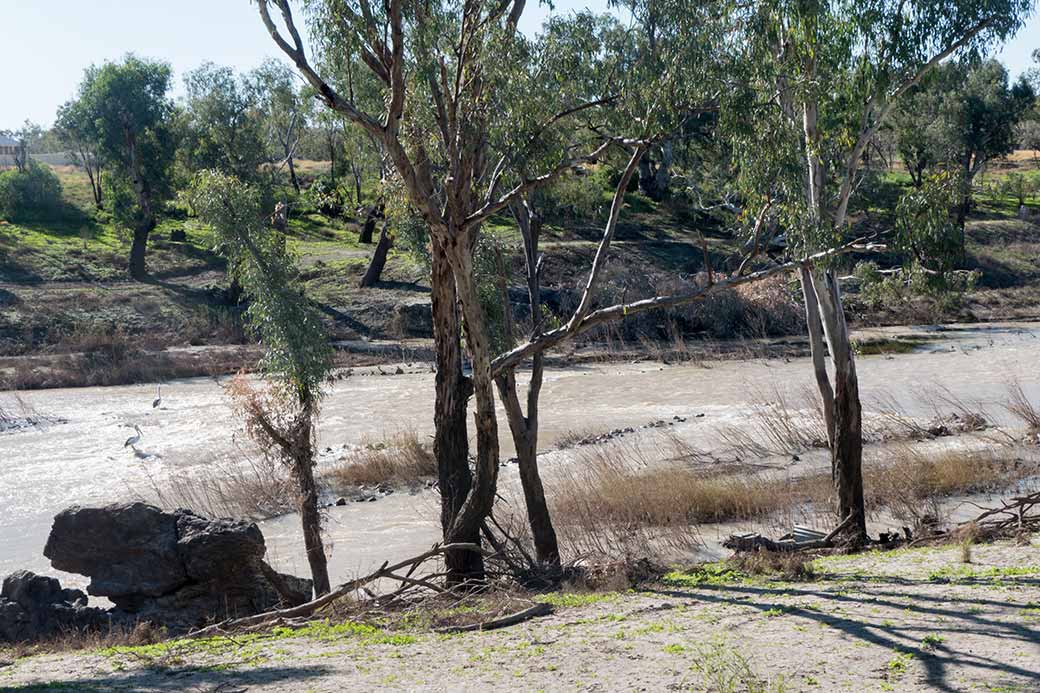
(146, 215)
(450, 441)
(477, 506)
(524, 429)
(375, 267)
(847, 447)
(303, 471)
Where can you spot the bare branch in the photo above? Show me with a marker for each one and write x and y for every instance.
(618, 311)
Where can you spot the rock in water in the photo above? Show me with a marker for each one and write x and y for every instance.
(176, 569)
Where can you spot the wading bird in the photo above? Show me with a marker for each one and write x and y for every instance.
(133, 440)
(158, 397)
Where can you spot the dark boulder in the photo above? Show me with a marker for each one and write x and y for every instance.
(125, 549)
(175, 569)
(33, 607)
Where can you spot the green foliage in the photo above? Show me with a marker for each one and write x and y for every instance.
(325, 196)
(297, 348)
(490, 271)
(929, 240)
(962, 116)
(32, 193)
(221, 125)
(123, 110)
(410, 233)
(576, 198)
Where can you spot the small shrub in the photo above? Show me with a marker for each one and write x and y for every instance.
(34, 193)
(403, 459)
(325, 196)
(793, 565)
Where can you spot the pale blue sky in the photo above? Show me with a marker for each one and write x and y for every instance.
(46, 44)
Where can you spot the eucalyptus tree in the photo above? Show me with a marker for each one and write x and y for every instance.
(980, 113)
(578, 62)
(819, 80)
(283, 109)
(438, 66)
(128, 105)
(76, 130)
(297, 353)
(222, 127)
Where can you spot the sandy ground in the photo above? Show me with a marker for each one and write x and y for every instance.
(908, 620)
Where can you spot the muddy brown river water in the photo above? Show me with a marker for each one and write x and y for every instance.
(83, 461)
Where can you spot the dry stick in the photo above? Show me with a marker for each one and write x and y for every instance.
(540, 609)
(310, 607)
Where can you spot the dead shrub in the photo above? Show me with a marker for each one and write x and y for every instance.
(1022, 408)
(778, 426)
(402, 459)
(246, 486)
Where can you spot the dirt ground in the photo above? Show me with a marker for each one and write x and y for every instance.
(907, 620)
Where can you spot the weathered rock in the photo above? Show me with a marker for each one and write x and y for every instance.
(413, 319)
(176, 569)
(125, 549)
(33, 607)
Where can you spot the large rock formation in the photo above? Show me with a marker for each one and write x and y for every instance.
(176, 569)
(35, 606)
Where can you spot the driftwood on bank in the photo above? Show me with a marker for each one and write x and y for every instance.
(385, 572)
(1015, 514)
(756, 542)
(540, 609)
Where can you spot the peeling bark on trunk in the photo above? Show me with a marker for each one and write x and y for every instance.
(817, 350)
(475, 509)
(450, 441)
(375, 267)
(847, 447)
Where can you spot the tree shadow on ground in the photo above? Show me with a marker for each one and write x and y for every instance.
(946, 614)
(182, 679)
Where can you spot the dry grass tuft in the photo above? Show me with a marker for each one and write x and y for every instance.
(401, 460)
(614, 501)
(247, 486)
(790, 565)
(1022, 408)
(142, 633)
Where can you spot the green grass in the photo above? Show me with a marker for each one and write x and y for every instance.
(219, 653)
(968, 573)
(572, 599)
(720, 573)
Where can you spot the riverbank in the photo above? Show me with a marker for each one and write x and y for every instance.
(906, 620)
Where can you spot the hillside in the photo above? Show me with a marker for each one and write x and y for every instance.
(69, 315)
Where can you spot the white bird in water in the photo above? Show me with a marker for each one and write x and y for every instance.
(158, 397)
(133, 440)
